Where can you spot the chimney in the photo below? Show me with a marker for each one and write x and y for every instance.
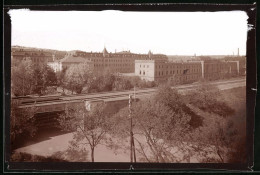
(237, 51)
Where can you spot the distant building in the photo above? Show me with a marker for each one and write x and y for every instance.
(37, 56)
(185, 72)
(159, 70)
(122, 62)
(67, 61)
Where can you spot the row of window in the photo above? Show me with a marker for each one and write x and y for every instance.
(176, 66)
(112, 60)
(190, 77)
(122, 70)
(119, 55)
(144, 66)
(173, 66)
(171, 72)
(37, 59)
(141, 72)
(113, 65)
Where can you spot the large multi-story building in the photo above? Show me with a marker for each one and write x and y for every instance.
(37, 56)
(123, 62)
(159, 70)
(184, 72)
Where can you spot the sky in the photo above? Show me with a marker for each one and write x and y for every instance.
(170, 33)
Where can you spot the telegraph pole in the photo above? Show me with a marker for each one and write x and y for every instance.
(131, 125)
(133, 134)
(132, 146)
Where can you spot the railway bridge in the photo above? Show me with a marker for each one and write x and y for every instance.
(48, 107)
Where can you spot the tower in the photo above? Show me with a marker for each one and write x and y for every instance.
(105, 53)
(150, 54)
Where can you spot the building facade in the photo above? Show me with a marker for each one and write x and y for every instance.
(122, 62)
(159, 70)
(184, 72)
(37, 56)
(67, 61)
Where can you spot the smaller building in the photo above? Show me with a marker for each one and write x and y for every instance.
(66, 62)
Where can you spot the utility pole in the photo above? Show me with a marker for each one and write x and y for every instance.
(132, 146)
(134, 92)
(131, 125)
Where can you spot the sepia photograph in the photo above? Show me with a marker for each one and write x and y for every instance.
(128, 86)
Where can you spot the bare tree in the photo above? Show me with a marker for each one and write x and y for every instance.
(89, 127)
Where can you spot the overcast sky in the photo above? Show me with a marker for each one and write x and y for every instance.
(171, 33)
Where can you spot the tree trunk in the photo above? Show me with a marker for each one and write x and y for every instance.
(92, 154)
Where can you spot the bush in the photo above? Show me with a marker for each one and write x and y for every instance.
(25, 157)
(206, 98)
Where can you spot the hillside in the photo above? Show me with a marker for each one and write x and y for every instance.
(57, 53)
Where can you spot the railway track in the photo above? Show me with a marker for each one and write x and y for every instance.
(108, 96)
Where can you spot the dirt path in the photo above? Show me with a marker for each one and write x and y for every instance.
(61, 143)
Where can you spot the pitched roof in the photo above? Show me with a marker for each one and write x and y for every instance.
(105, 51)
(73, 59)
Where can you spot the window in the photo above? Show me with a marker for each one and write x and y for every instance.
(140, 72)
(143, 72)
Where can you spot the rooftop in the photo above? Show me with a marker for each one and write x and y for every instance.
(73, 59)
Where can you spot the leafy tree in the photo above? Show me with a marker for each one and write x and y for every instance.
(28, 78)
(104, 81)
(22, 121)
(44, 76)
(173, 81)
(208, 98)
(122, 84)
(155, 122)
(25, 157)
(163, 129)
(89, 127)
(77, 76)
(135, 80)
(61, 79)
(217, 142)
(39, 80)
(50, 76)
(22, 78)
